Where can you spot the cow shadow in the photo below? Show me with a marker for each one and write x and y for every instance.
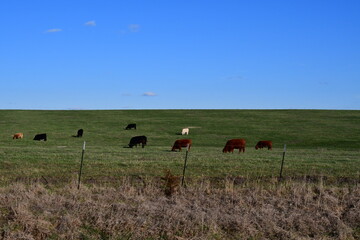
(168, 151)
(133, 147)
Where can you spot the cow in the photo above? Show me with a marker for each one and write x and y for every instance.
(134, 141)
(234, 144)
(80, 132)
(131, 126)
(40, 137)
(262, 144)
(18, 136)
(185, 131)
(181, 143)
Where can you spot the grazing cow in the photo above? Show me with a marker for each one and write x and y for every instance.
(234, 144)
(40, 137)
(130, 126)
(262, 144)
(80, 132)
(18, 136)
(134, 141)
(181, 143)
(185, 131)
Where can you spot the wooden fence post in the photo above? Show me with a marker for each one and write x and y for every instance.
(186, 156)
(81, 164)
(282, 162)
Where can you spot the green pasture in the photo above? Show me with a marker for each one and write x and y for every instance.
(319, 143)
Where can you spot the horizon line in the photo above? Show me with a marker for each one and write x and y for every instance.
(144, 109)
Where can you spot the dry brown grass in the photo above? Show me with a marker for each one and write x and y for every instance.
(172, 183)
(141, 210)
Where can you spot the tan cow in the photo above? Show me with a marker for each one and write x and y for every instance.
(185, 131)
(18, 136)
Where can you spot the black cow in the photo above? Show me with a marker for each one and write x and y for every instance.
(130, 126)
(134, 141)
(40, 137)
(80, 133)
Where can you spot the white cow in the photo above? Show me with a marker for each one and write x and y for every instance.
(185, 131)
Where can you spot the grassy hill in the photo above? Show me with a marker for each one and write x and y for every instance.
(319, 143)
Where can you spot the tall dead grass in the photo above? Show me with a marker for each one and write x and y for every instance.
(141, 210)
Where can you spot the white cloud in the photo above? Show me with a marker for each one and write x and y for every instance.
(53, 30)
(91, 23)
(149, 94)
(134, 27)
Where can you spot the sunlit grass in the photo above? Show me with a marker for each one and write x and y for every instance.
(323, 143)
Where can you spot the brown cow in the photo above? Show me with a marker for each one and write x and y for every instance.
(262, 144)
(18, 135)
(234, 144)
(181, 143)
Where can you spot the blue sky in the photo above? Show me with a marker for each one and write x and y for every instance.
(172, 54)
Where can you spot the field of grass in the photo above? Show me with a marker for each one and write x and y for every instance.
(228, 196)
(319, 143)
